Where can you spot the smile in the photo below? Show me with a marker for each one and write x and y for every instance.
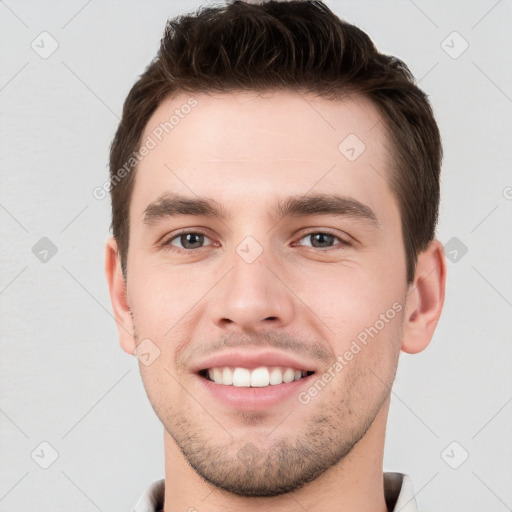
(259, 377)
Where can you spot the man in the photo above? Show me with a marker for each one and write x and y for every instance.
(275, 190)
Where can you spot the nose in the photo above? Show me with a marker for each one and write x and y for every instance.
(251, 298)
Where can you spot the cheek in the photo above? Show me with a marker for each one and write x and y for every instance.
(349, 298)
(363, 315)
(162, 297)
(162, 388)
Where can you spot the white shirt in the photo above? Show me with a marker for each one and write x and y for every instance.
(398, 492)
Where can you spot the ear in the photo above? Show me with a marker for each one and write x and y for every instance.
(425, 298)
(118, 297)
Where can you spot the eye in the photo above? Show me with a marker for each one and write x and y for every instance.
(186, 241)
(322, 240)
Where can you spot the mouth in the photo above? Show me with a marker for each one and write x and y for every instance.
(260, 377)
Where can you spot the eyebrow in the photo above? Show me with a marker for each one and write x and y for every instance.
(173, 205)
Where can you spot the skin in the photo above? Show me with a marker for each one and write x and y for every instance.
(247, 151)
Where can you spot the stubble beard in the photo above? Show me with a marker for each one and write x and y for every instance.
(279, 462)
(273, 465)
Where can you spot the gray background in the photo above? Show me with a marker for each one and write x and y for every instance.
(64, 379)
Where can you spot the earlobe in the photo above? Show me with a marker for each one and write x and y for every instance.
(118, 297)
(425, 299)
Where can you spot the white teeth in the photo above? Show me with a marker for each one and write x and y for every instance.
(241, 378)
(257, 378)
(260, 377)
(288, 375)
(227, 376)
(276, 376)
(217, 375)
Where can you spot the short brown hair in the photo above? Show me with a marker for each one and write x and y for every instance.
(300, 45)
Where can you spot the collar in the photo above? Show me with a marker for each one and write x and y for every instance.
(398, 493)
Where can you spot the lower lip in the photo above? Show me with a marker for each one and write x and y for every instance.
(253, 399)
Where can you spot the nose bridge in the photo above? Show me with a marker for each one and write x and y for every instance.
(250, 294)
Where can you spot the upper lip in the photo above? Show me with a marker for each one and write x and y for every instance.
(251, 360)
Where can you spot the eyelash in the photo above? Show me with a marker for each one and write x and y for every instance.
(166, 244)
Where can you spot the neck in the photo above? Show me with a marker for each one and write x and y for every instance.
(355, 483)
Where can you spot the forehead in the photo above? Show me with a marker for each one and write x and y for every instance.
(242, 146)
(275, 117)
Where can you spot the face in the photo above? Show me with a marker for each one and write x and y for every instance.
(266, 245)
